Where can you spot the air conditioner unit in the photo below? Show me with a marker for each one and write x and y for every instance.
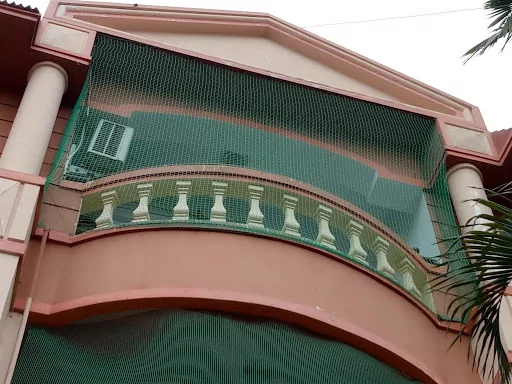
(111, 140)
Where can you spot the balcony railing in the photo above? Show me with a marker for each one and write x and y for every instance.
(244, 203)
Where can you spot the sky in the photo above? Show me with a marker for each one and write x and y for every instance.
(427, 48)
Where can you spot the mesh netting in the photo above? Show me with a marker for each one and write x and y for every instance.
(191, 347)
(144, 108)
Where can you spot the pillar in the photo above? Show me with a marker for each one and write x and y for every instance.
(34, 121)
(465, 184)
(24, 152)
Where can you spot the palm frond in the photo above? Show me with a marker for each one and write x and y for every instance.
(479, 269)
(501, 26)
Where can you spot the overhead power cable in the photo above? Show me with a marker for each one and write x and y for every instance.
(393, 18)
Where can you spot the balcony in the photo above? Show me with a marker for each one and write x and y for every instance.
(203, 148)
(223, 198)
(184, 184)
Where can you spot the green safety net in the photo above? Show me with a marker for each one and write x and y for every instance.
(163, 346)
(143, 108)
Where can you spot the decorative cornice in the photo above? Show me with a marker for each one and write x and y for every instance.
(458, 167)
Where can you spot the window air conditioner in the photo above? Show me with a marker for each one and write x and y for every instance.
(111, 140)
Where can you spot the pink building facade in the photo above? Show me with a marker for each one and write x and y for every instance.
(196, 168)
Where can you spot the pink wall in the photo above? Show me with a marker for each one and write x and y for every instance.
(200, 269)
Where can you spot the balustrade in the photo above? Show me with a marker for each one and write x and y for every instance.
(391, 260)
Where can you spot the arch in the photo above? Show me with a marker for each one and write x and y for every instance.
(160, 345)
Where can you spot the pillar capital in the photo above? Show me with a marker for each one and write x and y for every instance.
(50, 64)
(465, 185)
(462, 166)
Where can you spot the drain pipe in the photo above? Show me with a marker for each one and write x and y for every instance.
(26, 311)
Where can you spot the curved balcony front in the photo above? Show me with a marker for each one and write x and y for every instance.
(231, 267)
(223, 198)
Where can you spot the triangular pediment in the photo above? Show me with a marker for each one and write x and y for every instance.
(264, 44)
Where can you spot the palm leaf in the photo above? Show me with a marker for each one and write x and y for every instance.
(479, 269)
(501, 26)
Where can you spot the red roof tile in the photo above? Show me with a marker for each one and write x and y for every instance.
(21, 7)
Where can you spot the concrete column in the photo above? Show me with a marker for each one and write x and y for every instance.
(33, 125)
(24, 152)
(465, 183)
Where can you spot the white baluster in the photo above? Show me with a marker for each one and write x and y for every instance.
(325, 236)
(381, 247)
(356, 251)
(290, 226)
(181, 210)
(141, 213)
(255, 216)
(218, 211)
(427, 298)
(106, 219)
(406, 269)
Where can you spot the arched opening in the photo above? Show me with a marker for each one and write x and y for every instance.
(176, 346)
